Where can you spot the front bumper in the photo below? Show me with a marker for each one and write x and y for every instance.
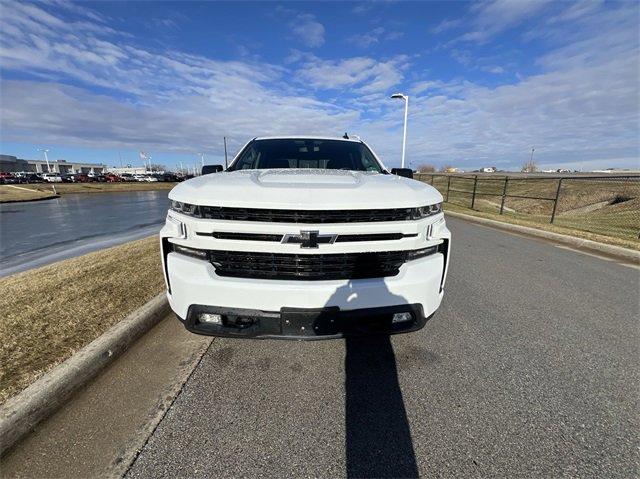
(304, 324)
(319, 309)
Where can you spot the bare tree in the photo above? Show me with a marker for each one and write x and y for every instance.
(424, 168)
(157, 167)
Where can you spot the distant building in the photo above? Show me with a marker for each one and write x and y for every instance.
(453, 169)
(488, 169)
(9, 163)
(619, 171)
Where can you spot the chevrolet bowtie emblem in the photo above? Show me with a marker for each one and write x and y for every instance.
(309, 239)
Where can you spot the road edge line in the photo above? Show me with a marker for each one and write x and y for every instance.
(618, 252)
(21, 413)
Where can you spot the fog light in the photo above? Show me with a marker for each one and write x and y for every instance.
(401, 318)
(210, 318)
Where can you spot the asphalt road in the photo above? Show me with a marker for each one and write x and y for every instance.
(529, 369)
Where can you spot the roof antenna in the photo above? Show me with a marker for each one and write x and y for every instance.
(345, 136)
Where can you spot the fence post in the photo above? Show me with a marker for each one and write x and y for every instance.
(504, 193)
(432, 179)
(555, 202)
(448, 186)
(475, 184)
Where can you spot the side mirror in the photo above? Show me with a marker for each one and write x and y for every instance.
(206, 169)
(404, 172)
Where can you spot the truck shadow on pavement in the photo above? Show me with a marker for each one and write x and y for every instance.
(378, 438)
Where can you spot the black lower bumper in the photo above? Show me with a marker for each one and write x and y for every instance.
(304, 324)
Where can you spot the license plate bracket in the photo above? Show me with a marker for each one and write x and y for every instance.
(309, 322)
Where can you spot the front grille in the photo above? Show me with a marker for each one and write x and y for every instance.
(306, 216)
(241, 264)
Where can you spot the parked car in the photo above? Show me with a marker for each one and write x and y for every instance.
(127, 177)
(167, 177)
(112, 178)
(346, 248)
(67, 177)
(146, 178)
(21, 176)
(52, 177)
(82, 178)
(7, 178)
(33, 178)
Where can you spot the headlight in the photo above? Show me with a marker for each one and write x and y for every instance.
(426, 211)
(185, 208)
(435, 209)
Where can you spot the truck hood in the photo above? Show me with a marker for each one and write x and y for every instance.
(305, 189)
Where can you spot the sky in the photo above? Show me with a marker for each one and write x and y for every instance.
(487, 81)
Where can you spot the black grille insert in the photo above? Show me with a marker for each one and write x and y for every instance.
(243, 236)
(306, 216)
(241, 264)
(343, 238)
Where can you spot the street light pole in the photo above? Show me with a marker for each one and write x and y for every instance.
(406, 111)
(226, 163)
(532, 150)
(46, 158)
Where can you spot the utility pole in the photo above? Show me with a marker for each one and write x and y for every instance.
(226, 164)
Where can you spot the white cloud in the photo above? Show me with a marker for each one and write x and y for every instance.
(362, 7)
(446, 25)
(582, 106)
(373, 36)
(308, 30)
(493, 17)
(497, 70)
(363, 74)
(463, 57)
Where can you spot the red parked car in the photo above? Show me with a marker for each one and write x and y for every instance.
(111, 178)
(6, 178)
(82, 178)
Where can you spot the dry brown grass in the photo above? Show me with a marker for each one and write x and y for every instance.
(605, 208)
(14, 194)
(51, 312)
(9, 193)
(578, 233)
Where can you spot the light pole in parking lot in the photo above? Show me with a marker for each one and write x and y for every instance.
(46, 158)
(406, 109)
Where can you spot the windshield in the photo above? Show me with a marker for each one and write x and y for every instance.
(306, 153)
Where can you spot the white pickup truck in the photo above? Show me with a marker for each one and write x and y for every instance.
(304, 238)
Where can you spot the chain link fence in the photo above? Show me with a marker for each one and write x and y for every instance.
(606, 205)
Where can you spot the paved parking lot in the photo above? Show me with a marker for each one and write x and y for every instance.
(529, 369)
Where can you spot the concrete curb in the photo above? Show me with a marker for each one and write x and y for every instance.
(21, 413)
(618, 252)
